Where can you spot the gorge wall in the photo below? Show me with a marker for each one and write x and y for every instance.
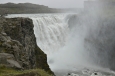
(18, 47)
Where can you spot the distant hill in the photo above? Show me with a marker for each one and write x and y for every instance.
(21, 8)
(26, 8)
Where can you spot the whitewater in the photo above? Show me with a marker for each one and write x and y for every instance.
(73, 42)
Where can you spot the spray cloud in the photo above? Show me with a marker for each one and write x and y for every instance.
(90, 42)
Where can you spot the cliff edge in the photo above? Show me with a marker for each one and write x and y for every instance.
(18, 47)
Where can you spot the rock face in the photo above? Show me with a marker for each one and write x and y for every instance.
(9, 60)
(18, 45)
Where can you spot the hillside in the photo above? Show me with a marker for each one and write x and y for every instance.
(21, 8)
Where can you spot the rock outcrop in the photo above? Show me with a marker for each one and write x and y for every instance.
(18, 45)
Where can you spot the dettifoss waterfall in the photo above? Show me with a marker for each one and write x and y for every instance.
(81, 45)
(51, 33)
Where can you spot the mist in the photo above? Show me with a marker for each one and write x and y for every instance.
(90, 43)
(78, 42)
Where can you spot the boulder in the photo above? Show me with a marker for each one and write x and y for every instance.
(9, 61)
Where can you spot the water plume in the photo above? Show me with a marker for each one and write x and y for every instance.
(90, 42)
(77, 41)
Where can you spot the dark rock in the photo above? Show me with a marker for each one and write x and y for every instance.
(18, 39)
(95, 73)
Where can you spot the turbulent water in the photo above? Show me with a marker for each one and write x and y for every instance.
(76, 45)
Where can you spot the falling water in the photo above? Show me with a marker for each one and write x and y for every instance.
(76, 42)
(51, 32)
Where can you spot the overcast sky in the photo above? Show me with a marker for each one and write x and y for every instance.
(51, 3)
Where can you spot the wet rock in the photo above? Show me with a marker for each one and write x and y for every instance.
(72, 74)
(95, 74)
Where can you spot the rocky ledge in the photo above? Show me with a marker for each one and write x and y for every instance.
(18, 47)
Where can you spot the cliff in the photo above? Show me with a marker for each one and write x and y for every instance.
(18, 47)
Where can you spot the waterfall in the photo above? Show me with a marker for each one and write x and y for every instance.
(51, 32)
(75, 42)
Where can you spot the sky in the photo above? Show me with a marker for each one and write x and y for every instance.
(51, 3)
